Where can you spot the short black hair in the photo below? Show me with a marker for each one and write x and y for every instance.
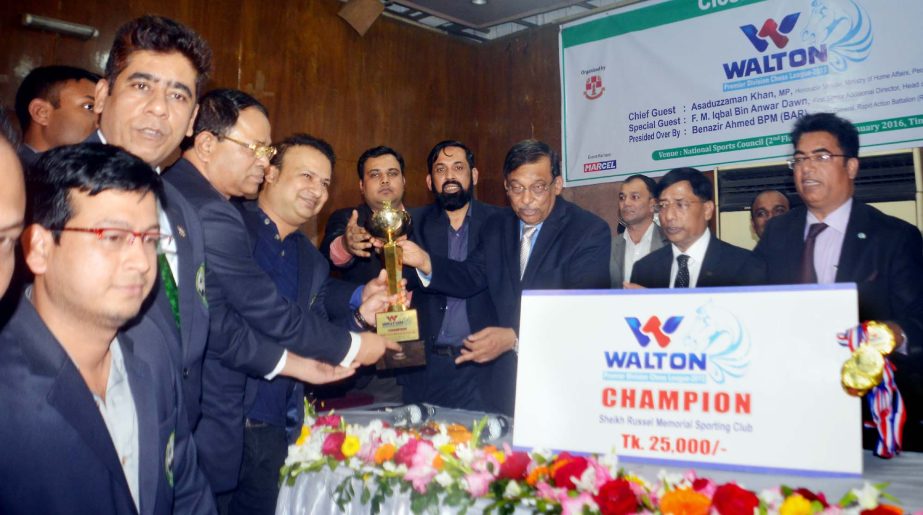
(378, 151)
(86, 167)
(771, 190)
(302, 140)
(700, 184)
(45, 82)
(529, 151)
(7, 131)
(219, 110)
(842, 129)
(651, 184)
(442, 145)
(163, 36)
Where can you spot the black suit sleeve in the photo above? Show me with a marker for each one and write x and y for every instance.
(905, 285)
(252, 295)
(589, 269)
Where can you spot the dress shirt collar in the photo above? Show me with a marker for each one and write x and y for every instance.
(696, 251)
(838, 219)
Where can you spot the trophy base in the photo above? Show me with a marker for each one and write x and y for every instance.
(412, 354)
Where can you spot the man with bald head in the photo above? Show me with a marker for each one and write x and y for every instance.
(767, 205)
(12, 206)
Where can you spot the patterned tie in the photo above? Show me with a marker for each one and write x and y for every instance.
(808, 273)
(525, 246)
(682, 275)
(169, 284)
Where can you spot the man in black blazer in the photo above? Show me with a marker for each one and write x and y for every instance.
(695, 258)
(881, 254)
(146, 103)
(451, 227)
(94, 420)
(543, 242)
(253, 330)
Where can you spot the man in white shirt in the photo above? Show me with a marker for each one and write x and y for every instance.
(695, 258)
(642, 236)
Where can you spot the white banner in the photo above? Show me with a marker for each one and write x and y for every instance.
(742, 378)
(710, 82)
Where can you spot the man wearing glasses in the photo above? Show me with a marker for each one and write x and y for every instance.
(542, 242)
(835, 238)
(695, 258)
(94, 419)
(12, 207)
(254, 330)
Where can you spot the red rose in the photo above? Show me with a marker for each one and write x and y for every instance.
(616, 498)
(811, 496)
(404, 455)
(883, 509)
(730, 499)
(332, 445)
(700, 484)
(328, 420)
(515, 466)
(567, 467)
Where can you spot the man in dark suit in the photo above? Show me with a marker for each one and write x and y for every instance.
(54, 105)
(295, 190)
(94, 419)
(642, 236)
(855, 243)
(767, 205)
(451, 227)
(695, 258)
(543, 242)
(254, 330)
(146, 103)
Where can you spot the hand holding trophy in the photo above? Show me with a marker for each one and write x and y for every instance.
(398, 323)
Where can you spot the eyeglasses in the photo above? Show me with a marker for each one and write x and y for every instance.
(820, 159)
(680, 205)
(259, 151)
(117, 239)
(538, 189)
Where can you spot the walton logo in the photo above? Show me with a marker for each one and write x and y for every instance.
(771, 30)
(655, 328)
(594, 87)
(391, 318)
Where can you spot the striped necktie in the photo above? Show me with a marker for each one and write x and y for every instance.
(525, 247)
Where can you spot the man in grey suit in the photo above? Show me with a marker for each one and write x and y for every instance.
(642, 236)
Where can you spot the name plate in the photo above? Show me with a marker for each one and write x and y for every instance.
(733, 378)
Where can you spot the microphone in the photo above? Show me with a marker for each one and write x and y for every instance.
(498, 426)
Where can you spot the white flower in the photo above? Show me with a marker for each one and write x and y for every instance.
(440, 439)
(867, 497)
(512, 490)
(610, 462)
(465, 454)
(772, 497)
(544, 454)
(444, 479)
(587, 481)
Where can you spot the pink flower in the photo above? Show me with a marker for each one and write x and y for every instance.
(421, 471)
(546, 491)
(477, 483)
(405, 454)
(332, 445)
(572, 505)
(329, 421)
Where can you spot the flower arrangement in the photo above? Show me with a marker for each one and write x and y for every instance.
(446, 465)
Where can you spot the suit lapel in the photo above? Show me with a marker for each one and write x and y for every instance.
(149, 442)
(855, 243)
(711, 263)
(510, 238)
(186, 269)
(551, 230)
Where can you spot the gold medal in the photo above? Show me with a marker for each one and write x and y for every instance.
(862, 371)
(880, 337)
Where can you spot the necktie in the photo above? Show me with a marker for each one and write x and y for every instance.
(808, 273)
(682, 275)
(169, 285)
(525, 246)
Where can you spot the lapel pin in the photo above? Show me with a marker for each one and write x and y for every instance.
(861, 235)
(182, 231)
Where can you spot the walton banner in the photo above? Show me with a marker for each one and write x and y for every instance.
(702, 83)
(747, 378)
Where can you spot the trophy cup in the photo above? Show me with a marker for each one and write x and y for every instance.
(399, 323)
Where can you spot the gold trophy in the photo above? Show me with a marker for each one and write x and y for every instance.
(399, 323)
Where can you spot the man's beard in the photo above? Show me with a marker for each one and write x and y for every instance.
(453, 201)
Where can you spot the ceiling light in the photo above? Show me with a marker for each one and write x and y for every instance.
(479, 2)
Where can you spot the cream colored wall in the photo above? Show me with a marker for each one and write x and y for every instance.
(736, 230)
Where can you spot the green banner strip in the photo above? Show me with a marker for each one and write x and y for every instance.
(645, 18)
(889, 124)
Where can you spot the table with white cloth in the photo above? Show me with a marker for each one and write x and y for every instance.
(313, 493)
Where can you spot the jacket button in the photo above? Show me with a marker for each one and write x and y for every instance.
(185, 373)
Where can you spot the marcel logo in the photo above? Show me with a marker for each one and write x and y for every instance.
(776, 32)
(653, 327)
